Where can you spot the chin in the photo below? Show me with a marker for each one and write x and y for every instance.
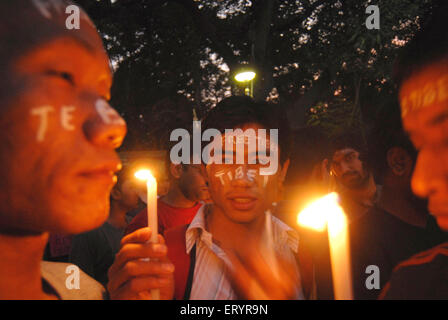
(80, 217)
(243, 217)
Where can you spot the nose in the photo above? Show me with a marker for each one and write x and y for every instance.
(105, 127)
(345, 167)
(427, 177)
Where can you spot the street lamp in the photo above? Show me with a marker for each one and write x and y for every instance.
(245, 76)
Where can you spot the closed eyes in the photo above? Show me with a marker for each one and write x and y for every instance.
(62, 74)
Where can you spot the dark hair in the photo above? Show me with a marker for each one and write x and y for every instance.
(353, 139)
(387, 133)
(429, 46)
(234, 112)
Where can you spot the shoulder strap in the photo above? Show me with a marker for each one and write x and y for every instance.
(183, 262)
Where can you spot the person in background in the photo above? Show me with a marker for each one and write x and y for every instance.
(186, 194)
(349, 164)
(421, 73)
(399, 224)
(94, 251)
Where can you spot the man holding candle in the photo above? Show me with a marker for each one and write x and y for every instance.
(422, 77)
(57, 157)
(186, 194)
(234, 248)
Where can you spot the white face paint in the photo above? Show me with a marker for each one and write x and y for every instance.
(66, 117)
(265, 181)
(219, 175)
(45, 6)
(251, 173)
(107, 113)
(226, 176)
(60, 7)
(42, 112)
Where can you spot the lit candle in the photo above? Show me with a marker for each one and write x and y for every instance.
(151, 203)
(326, 212)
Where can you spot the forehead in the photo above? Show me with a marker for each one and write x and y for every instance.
(340, 154)
(62, 52)
(37, 22)
(424, 98)
(246, 134)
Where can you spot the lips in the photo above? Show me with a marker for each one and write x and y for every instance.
(104, 173)
(242, 202)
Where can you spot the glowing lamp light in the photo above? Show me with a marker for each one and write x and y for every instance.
(151, 201)
(326, 212)
(245, 76)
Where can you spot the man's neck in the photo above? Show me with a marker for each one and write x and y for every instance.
(229, 234)
(364, 195)
(20, 258)
(175, 198)
(398, 204)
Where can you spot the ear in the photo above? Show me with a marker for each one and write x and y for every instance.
(399, 161)
(176, 170)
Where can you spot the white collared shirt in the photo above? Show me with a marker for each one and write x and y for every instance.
(210, 280)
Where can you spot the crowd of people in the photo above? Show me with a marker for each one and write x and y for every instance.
(225, 231)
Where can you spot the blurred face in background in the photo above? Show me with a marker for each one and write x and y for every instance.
(193, 184)
(424, 107)
(128, 194)
(348, 169)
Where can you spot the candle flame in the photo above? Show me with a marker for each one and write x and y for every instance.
(321, 212)
(144, 174)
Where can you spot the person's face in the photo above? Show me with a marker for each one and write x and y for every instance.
(57, 155)
(424, 106)
(193, 183)
(348, 168)
(238, 190)
(129, 197)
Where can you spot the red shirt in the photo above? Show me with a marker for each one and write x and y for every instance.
(167, 216)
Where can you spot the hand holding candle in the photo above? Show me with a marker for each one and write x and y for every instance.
(326, 212)
(151, 187)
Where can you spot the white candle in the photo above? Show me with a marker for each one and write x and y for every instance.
(151, 203)
(326, 212)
